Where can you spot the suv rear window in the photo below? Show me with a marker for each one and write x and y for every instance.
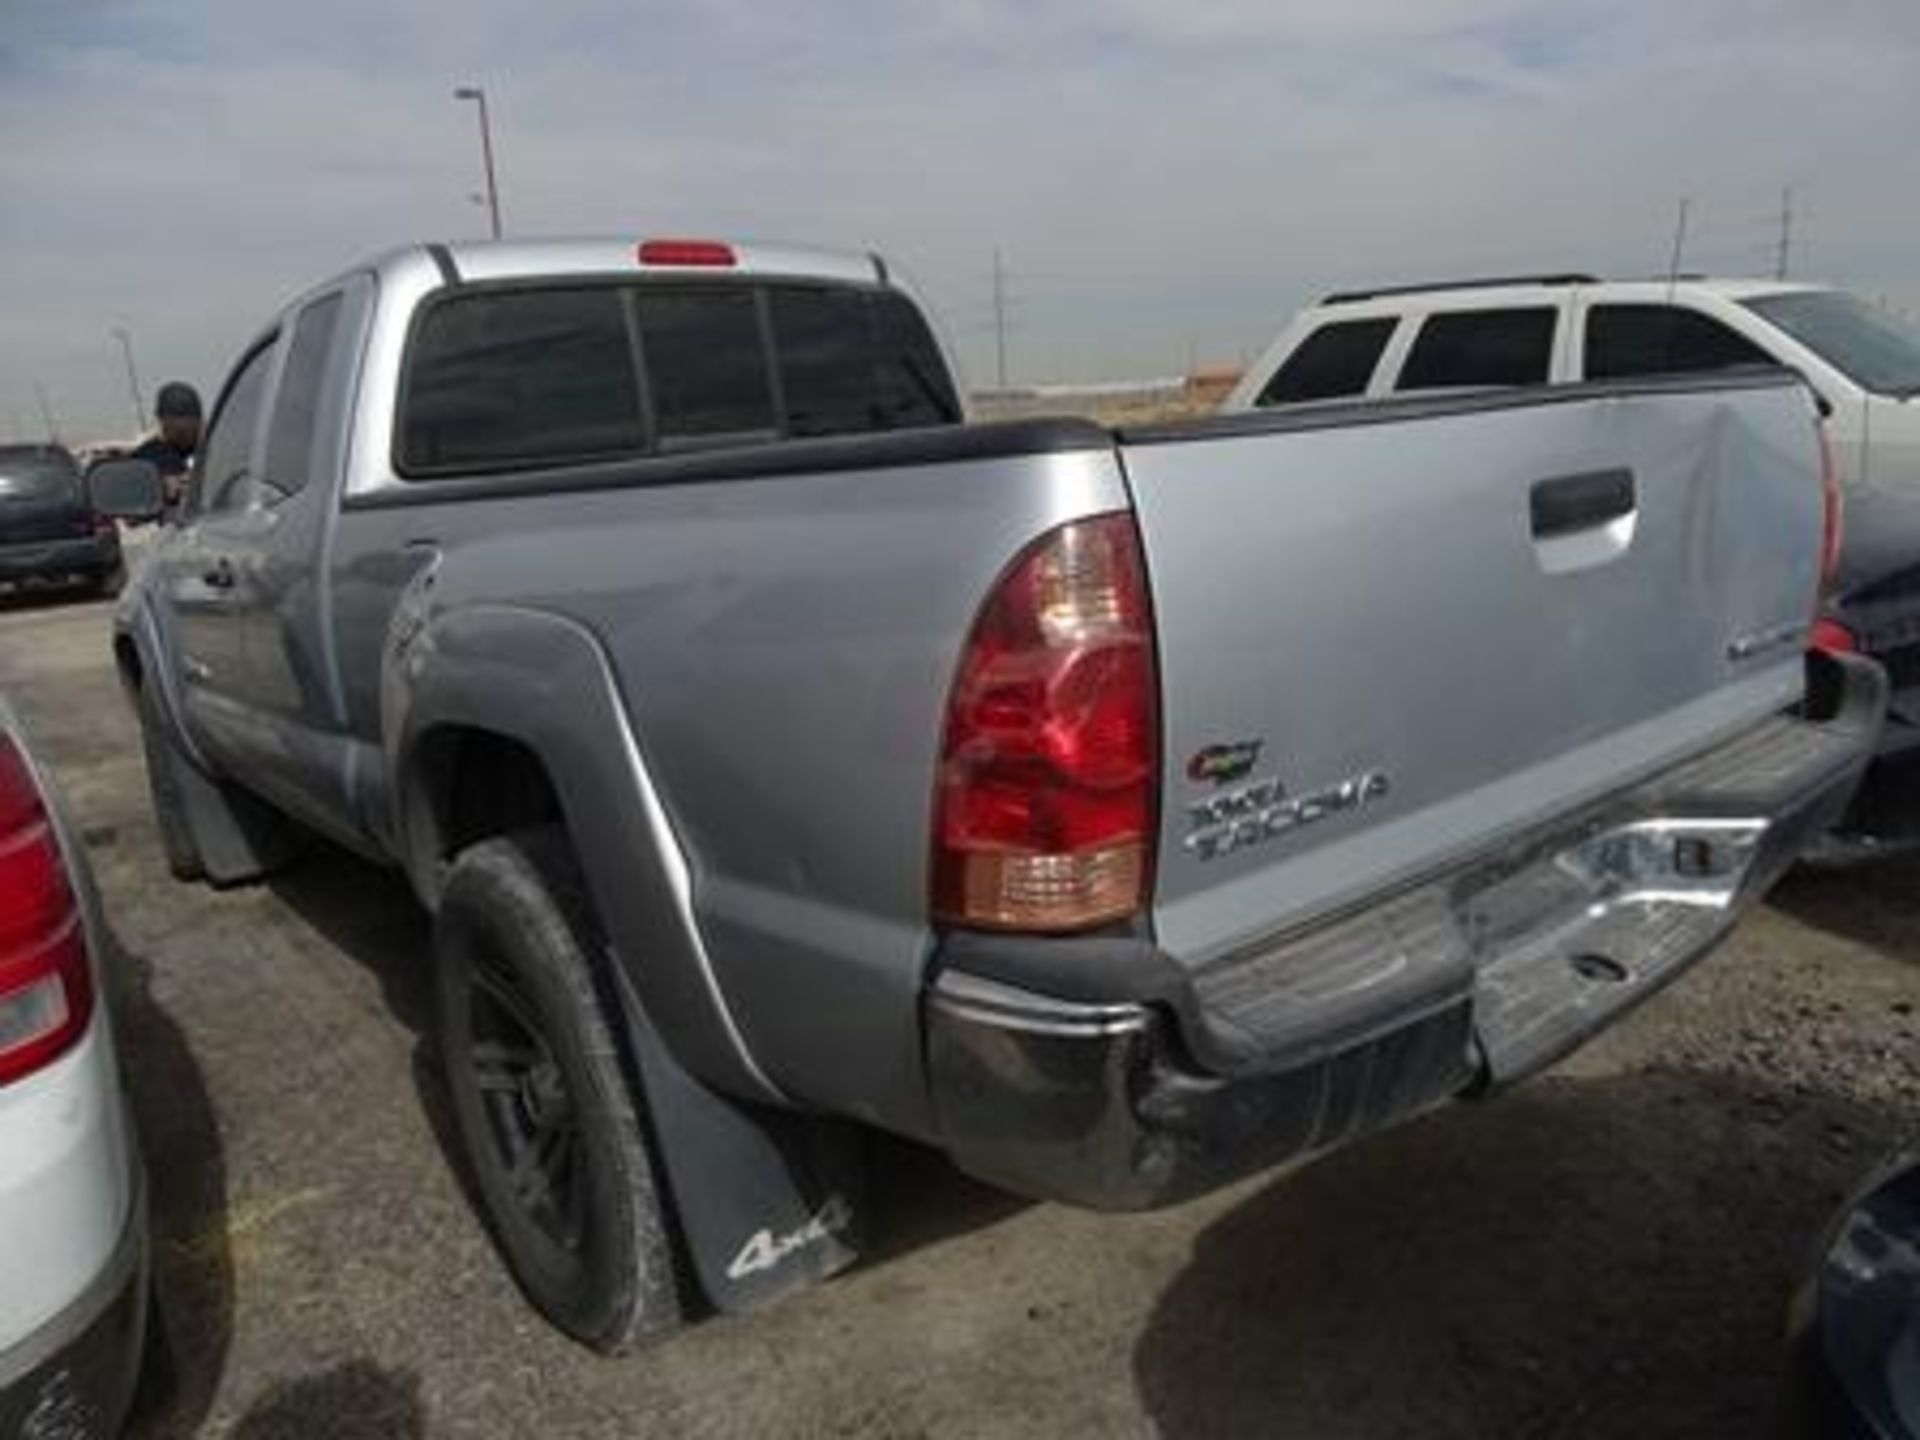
(1481, 348)
(524, 377)
(1628, 340)
(1335, 360)
(38, 473)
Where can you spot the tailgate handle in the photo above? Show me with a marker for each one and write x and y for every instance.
(1569, 504)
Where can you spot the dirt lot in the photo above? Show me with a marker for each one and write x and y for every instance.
(1606, 1252)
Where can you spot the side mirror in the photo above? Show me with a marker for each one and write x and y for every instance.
(1823, 405)
(126, 489)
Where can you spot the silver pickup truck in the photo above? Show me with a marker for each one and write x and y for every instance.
(1118, 812)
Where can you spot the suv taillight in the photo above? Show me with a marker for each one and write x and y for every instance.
(1046, 810)
(1832, 511)
(1833, 638)
(46, 992)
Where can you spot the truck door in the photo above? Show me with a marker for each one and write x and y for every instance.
(200, 578)
(295, 727)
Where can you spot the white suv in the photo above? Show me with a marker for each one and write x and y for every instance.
(73, 1227)
(1862, 361)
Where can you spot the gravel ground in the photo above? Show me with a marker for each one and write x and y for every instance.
(1607, 1251)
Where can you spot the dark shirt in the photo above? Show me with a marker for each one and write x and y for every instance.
(169, 459)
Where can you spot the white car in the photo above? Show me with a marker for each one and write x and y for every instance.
(73, 1223)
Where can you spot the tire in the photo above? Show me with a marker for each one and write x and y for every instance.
(550, 1124)
(169, 806)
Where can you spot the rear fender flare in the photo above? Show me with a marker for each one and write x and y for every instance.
(543, 681)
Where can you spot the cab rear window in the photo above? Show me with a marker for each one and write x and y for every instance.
(522, 377)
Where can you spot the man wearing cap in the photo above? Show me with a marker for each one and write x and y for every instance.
(177, 408)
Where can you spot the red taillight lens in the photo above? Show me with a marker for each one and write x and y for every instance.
(1832, 637)
(46, 992)
(1833, 514)
(703, 253)
(1046, 806)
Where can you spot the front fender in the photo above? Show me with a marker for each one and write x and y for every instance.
(543, 681)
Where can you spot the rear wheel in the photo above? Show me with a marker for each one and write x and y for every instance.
(548, 1119)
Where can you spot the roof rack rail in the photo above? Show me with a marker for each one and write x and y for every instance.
(1350, 297)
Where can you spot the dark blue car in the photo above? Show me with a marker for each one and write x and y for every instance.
(48, 531)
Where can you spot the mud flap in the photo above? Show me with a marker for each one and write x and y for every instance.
(768, 1201)
(239, 838)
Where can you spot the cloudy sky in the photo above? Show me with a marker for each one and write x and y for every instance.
(1165, 180)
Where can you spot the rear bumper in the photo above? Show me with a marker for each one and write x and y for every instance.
(1102, 1072)
(54, 559)
(76, 1375)
(1884, 817)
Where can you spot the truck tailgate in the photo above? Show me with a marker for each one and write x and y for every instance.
(1395, 634)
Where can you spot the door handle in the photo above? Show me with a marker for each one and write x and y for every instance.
(219, 575)
(1568, 504)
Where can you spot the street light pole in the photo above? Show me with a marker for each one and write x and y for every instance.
(133, 376)
(479, 97)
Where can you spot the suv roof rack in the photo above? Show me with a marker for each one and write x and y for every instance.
(1349, 297)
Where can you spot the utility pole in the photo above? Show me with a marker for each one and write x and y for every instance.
(1000, 318)
(479, 97)
(1786, 234)
(133, 377)
(46, 413)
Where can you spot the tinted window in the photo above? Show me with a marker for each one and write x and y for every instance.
(295, 408)
(1334, 360)
(1481, 347)
(824, 340)
(1626, 340)
(1876, 350)
(38, 473)
(222, 479)
(914, 385)
(852, 360)
(521, 377)
(706, 365)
